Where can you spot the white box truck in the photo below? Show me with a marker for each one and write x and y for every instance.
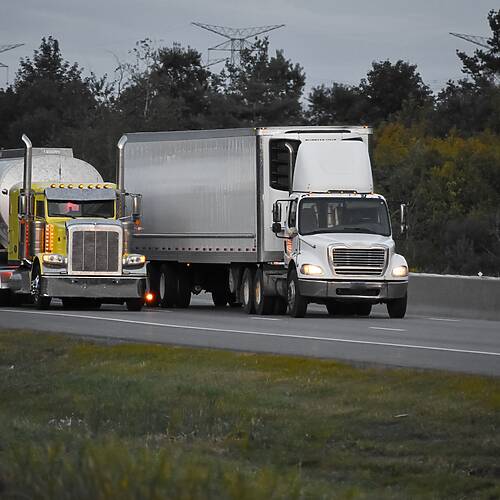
(268, 218)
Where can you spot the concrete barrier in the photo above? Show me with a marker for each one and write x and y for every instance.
(454, 296)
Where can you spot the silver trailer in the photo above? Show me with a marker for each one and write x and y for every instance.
(211, 202)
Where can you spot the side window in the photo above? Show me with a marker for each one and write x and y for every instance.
(292, 214)
(40, 208)
(279, 163)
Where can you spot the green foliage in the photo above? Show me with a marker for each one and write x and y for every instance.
(87, 420)
(452, 186)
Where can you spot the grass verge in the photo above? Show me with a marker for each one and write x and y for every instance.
(82, 419)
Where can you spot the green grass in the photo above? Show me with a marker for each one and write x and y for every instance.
(81, 419)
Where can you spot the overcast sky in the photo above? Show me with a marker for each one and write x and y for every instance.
(334, 40)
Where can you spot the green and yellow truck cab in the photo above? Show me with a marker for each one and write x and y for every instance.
(64, 233)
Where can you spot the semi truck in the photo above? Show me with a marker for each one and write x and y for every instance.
(64, 233)
(271, 219)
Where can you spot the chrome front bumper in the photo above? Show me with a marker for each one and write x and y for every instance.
(370, 291)
(99, 287)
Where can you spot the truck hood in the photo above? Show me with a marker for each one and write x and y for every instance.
(93, 222)
(349, 240)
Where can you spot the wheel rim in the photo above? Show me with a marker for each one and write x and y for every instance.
(291, 293)
(246, 291)
(258, 292)
(163, 285)
(35, 287)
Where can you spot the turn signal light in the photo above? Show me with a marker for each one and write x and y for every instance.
(150, 297)
(49, 238)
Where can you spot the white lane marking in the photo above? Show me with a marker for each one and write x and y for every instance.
(445, 319)
(389, 329)
(266, 319)
(264, 334)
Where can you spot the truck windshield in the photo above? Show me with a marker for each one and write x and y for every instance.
(105, 208)
(343, 215)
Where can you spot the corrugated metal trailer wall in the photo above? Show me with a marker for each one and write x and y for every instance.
(199, 194)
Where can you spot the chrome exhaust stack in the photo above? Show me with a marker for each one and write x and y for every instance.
(26, 203)
(120, 179)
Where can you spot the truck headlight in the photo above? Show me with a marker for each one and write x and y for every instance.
(134, 260)
(400, 272)
(54, 259)
(311, 270)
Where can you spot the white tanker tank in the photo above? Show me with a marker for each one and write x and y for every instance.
(49, 165)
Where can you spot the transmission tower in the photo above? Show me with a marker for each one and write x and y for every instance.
(5, 48)
(482, 41)
(237, 39)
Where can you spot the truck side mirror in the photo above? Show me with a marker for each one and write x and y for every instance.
(276, 213)
(277, 227)
(403, 212)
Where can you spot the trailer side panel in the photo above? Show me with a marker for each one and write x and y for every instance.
(199, 196)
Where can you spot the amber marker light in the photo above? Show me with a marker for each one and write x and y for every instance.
(150, 297)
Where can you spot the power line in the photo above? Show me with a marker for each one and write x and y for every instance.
(482, 41)
(237, 40)
(5, 48)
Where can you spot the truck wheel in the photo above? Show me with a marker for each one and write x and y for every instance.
(363, 309)
(397, 307)
(5, 298)
(168, 286)
(247, 291)
(154, 284)
(280, 306)
(220, 297)
(264, 304)
(134, 304)
(332, 307)
(233, 302)
(297, 305)
(183, 289)
(39, 300)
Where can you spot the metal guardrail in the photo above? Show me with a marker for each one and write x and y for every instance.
(454, 296)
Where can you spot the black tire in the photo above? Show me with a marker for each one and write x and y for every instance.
(247, 296)
(154, 284)
(264, 304)
(332, 307)
(5, 296)
(168, 286)
(363, 309)
(134, 304)
(280, 306)
(397, 307)
(183, 289)
(40, 301)
(297, 305)
(220, 297)
(233, 302)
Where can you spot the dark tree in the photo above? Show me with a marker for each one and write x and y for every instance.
(264, 90)
(484, 66)
(388, 87)
(51, 99)
(338, 104)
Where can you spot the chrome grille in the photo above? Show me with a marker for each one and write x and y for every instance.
(358, 261)
(95, 251)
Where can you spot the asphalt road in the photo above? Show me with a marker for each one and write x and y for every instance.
(464, 345)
